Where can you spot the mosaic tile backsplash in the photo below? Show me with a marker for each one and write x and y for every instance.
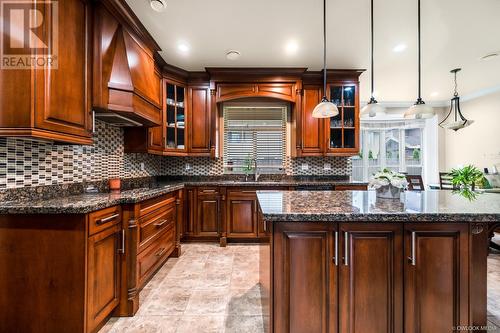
(31, 163)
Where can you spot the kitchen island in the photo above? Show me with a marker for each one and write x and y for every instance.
(349, 262)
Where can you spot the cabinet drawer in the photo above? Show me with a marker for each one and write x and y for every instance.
(351, 188)
(153, 224)
(104, 218)
(151, 205)
(208, 190)
(154, 255)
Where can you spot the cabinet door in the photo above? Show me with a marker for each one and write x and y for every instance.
(207, 215)
(63, 93)
(199, 121)
(103, 275)
(436, 277)
(370, 278)
(305, 278)
(312, 129)
(155, 137)
(242, 217)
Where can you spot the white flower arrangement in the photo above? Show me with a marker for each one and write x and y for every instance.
(388, 177)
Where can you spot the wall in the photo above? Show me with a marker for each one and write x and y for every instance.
(32, 163)
(478, 144)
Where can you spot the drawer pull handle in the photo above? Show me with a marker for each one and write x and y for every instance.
(207, 191)
(160, 224)
(253, 192)
(161, 252)
(107, 219)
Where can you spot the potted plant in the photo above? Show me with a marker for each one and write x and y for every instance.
(466, 177)
(388, 184)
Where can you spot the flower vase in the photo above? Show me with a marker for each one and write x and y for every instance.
(388, 192)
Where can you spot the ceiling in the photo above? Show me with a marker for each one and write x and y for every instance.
(455, 33)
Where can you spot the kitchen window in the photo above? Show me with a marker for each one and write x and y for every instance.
(395, 145)
(254, 136)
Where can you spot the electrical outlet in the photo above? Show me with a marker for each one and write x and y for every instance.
(188, 167)
(142, 166)
(327, 166)
(304, 166)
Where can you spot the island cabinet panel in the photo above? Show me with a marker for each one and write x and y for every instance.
(104, 275)
(371, 278)
(436, 277)
(305, 278)
(242, 217)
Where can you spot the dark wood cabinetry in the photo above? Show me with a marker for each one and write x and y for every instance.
(104, 275)
(311, 129)
(241, 214)
(305, 278)
(199, 121)
(390, 277)
(436, 277)
(207, 213)
(53, 103)
(370, 278)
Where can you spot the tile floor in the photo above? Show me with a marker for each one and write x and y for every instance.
(214, 289)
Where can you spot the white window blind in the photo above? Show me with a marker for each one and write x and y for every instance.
(254, 134)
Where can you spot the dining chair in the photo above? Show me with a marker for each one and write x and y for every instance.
(445, 181)
(415, 183)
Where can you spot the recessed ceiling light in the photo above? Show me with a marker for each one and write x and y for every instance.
(183, 47)
(158, 5)
(292, 47)
(434, 94)
(490, 56)
(233, 55)
(399, 48)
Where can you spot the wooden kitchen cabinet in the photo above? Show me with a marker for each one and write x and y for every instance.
(311, 129)
(342, 131)
(241, 215)
(199, 121)
(371, 278)
(104, 250)
(305, 278)
(208, 218)
(436, 277)
(53, 103)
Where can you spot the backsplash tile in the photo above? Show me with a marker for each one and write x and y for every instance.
(32, 163)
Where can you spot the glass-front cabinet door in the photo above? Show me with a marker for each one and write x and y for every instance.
(343, 129)
(175, 116)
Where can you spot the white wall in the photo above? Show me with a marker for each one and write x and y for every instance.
(478, 144)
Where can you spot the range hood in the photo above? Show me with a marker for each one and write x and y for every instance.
(127, 85)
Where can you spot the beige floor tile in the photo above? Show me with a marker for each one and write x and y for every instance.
(165, 301)
(205, 324)
(150, 324)
(207, 302)
(244, 324)
(245, 302)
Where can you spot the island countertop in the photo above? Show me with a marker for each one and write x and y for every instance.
(364, 206)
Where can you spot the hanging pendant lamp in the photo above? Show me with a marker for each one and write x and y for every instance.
(419, 109)
(325, 109)
(372, 108)
(459, 121)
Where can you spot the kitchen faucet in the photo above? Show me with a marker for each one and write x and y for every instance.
(256, 173)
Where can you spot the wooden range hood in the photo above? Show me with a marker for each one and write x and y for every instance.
(127, 84)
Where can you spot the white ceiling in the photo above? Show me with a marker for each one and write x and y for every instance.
(455, 33)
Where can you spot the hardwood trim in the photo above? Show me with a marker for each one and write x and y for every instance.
(45, 135)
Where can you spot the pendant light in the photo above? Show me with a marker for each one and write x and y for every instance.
(325, 109)
(419, 109)
(459, 121)
(372, 108)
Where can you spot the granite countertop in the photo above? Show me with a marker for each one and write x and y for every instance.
(350, 206)
(86, 203)
(59, 201)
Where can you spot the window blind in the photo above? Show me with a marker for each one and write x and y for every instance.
(254, 134)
